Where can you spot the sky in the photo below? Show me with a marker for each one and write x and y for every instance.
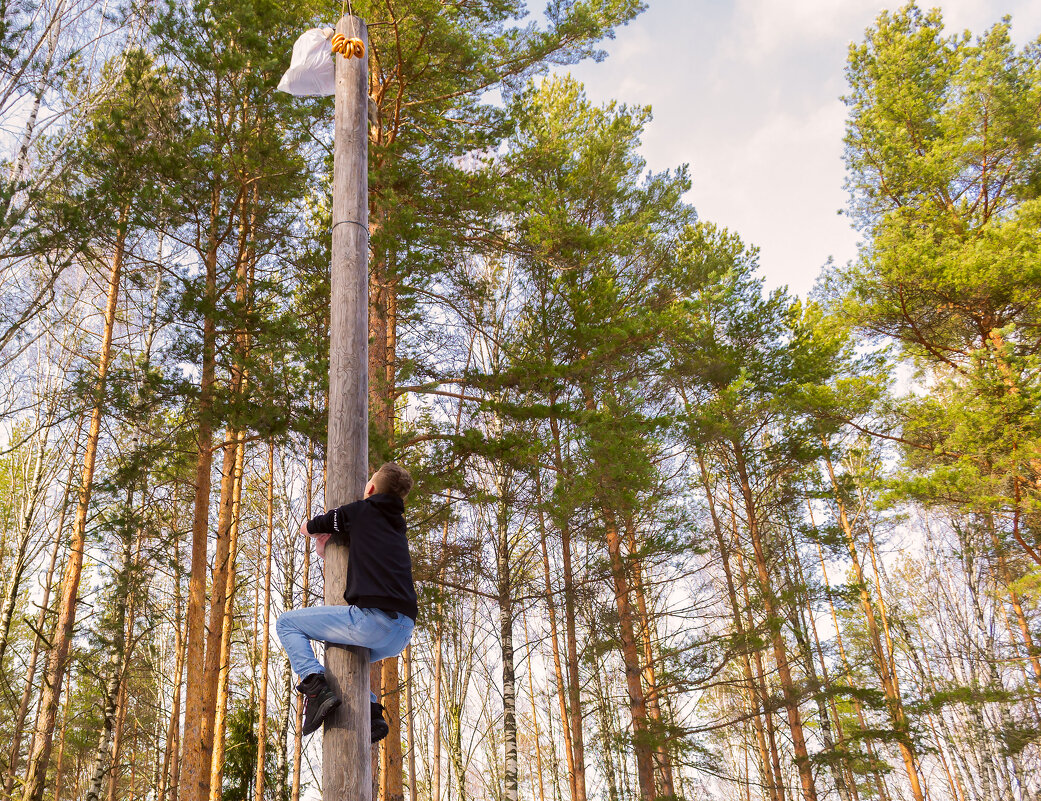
(748, 93)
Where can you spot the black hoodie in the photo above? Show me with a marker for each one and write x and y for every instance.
(379, 568)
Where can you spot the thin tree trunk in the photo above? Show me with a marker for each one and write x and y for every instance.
(157, 753)
(122, 590)
(554, 760)
(391, 773)
(455, 748)
(218, 593)
(258, 786)
(382, 369)
(574, 721)
(436, 758)
(167, 776)
(285, 700)
(957, 792)
(799, 628)
(509, 679)
(760, 673)
(607, 735)
(438, 642)
(117, 739)
(534, 719)
(39, 757)
(61, 745)
(38, 641)
(220, 711)
(298, 735)
(285, 710)
(848, 787)
(552, 610)
(764, 690)
(133, 766)
(784, 674)
(413, 791)
(753, 688)
(379, 753)
(880, 786)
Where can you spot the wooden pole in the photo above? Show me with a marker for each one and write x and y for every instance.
(345, 750)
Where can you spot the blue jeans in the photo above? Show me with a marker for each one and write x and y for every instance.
(342, 625)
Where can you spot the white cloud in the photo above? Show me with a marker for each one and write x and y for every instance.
(747, 92)
(770, 26)
(780, 186)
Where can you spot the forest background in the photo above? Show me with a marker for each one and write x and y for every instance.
(677, 534)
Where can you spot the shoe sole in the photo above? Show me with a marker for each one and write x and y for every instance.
(322, 714)
(380, 729)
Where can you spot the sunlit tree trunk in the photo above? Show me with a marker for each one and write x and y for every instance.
(196, 759)
(1017, 607)
(391, 773)
(60, 762)
(883, 656)
(630, 659)
(220, 711)
(382, 393)
(223, 559)
(658, 723)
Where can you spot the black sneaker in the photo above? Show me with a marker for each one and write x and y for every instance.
(380, 729)
(319, 701)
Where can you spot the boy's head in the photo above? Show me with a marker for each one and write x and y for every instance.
(390, 479)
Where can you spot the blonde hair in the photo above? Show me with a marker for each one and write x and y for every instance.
(392, 479)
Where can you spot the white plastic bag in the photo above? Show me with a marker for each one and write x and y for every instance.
(311, 70)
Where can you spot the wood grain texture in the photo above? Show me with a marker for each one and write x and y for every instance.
(346, 773)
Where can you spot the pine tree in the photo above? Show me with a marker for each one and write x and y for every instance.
(941, 153)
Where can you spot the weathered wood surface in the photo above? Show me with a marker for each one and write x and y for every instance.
(346, 773)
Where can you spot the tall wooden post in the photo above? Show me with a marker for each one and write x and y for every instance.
(346, 773)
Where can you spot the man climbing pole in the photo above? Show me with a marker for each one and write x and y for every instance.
(346, 767)
(380, 593)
